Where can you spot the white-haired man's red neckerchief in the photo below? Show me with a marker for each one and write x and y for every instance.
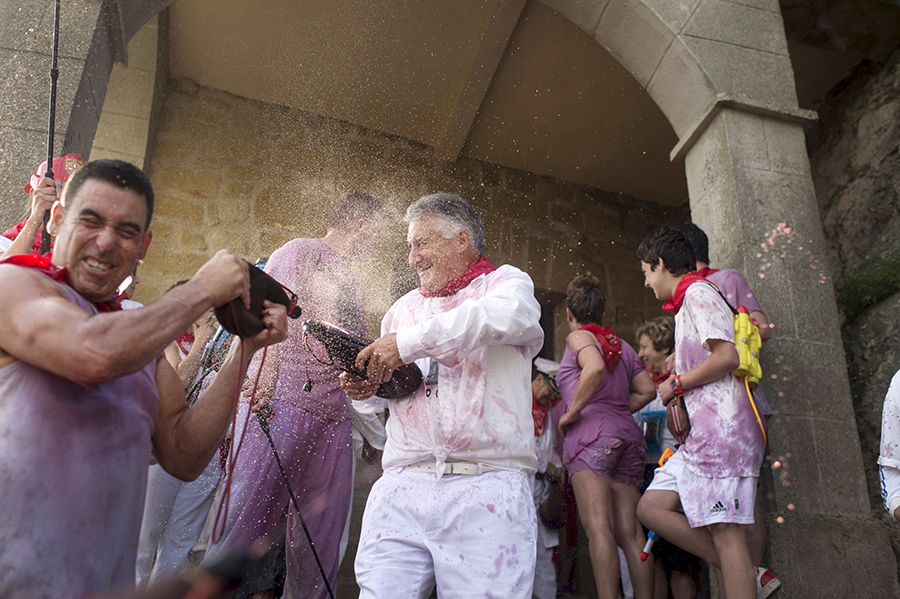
(610, 345)
(476, 269)
(57, 273)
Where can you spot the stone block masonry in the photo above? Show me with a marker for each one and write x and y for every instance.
(249, 176)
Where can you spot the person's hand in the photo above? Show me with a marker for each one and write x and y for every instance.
(553, 473)
(274, 318)
(204, 328)
(356, 388)
(42, 197)
(666, 393)
(567, 419)
(224, 277)
(383, 357)
(670, 362)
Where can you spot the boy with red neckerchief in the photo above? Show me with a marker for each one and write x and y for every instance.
(702, 499)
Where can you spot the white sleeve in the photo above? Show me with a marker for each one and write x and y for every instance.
(889, 459)
(5, 244)
(507, 314)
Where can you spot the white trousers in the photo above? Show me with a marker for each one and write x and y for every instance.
(174, 515)
(470, 535)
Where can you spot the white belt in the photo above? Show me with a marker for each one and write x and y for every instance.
(471, 468)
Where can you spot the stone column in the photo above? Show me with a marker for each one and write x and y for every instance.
(752, 192)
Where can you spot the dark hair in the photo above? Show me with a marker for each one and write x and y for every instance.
(353, 206)
(698, 240)
(670, 245)
(123, 175)
(585, 300)
(451, 209)
(660, 331)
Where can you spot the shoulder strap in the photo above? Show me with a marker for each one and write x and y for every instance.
(727, 303)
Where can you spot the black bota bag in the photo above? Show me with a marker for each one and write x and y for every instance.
(343, 347)
(237, 320)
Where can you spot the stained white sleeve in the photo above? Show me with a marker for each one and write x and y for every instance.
(889, 458)
(507, 314)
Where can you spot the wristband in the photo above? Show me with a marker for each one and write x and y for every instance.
(676, 385)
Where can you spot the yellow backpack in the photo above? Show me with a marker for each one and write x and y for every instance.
(747, 342)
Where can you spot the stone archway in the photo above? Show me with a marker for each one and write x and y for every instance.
(721, 74)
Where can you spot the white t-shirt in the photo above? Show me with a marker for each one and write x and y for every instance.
(475, 349)
(889, 459)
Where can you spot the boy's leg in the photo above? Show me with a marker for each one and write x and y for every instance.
(658, 511)
(738, 573)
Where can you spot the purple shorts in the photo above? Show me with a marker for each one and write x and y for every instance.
(612, 458)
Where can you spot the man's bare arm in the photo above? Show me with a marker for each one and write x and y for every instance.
(185, 439)
(38, 324)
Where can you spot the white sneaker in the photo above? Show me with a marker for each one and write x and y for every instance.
(766, 583)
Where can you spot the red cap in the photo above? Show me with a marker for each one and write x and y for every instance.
(63, 167)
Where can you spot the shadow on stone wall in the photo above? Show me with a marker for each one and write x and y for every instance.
(855, 159)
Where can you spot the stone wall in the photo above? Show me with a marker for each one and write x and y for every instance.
(855, 159)
(249, 176)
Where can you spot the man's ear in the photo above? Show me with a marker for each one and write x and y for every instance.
(148, 237)
(569, 317)
(463, 239)
(662, 265)
(57, 212)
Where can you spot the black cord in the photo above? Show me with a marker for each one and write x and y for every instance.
(263, 416)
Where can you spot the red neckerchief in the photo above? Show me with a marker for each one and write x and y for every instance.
(184, 341)
(539, 414)
(14, 231)
(703, 272)
(674, 304)
(610, 346)
(476, 269)
(57, 273)
(657, 378)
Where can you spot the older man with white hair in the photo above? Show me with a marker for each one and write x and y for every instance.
(454, 507)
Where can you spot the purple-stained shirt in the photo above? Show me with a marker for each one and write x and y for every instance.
(738, 293)
(326, 290)
(607, 413)
(725, 440)
(73, 473)
(475, 349)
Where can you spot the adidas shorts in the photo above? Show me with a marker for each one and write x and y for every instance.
(707, 500)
